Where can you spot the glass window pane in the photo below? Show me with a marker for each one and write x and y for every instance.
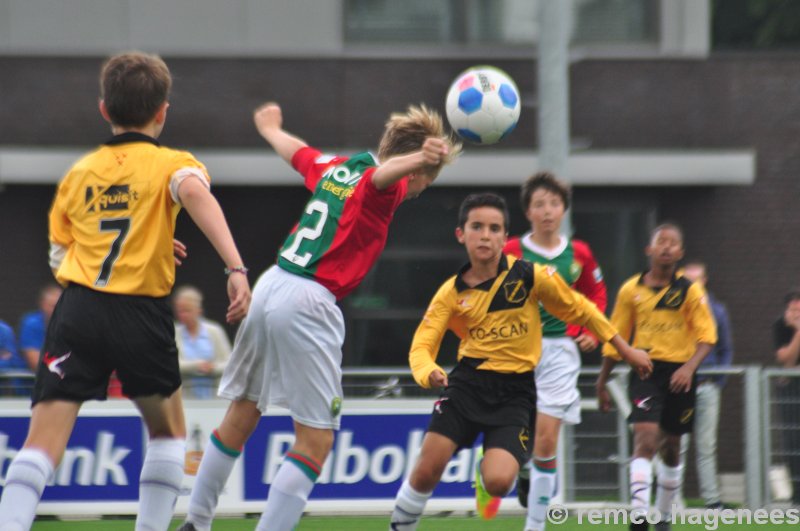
(614, 21)
(512, 22)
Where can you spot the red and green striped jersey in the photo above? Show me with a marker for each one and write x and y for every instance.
(344, 225)
(575, 263)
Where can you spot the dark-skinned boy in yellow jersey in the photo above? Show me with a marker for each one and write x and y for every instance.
(668, 316)
(492, 305)
(112, 226)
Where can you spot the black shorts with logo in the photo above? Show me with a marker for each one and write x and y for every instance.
(91, 334)
(652, 401)
(501, 406)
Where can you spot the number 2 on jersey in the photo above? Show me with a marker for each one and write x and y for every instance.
(121, 226)
(307, 233)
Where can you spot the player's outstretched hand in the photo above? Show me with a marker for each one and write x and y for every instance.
(603, 397)
(434, 149)
(437, 379)
(268, 118)
(239, 295)
(179, 251)
(681, 380)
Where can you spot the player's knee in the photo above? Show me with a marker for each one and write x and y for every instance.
(316, 443)
(545, 443)
(645, 447)
(424, 479)
(499, 484)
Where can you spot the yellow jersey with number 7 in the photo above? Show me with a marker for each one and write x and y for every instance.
(115, 216)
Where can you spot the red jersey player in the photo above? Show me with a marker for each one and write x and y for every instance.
(545, 200)
(288, 350)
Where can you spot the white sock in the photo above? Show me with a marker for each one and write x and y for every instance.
(668, 480)
(159, 483)
(289, 492)
(641, 484)
(27, 475)
(408, 507)
(212, 475)
(543, 482)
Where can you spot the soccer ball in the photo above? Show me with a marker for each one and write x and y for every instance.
(483, 105)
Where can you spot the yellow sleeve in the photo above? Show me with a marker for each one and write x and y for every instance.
(567, 304)
(59, 224)
(184, 159)
(622, 319)
(699, 315)
(429, 334)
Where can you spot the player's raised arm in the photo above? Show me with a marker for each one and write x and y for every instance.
(269, 122)
(433, 152)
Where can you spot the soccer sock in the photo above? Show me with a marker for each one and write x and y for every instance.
(25, 480)
(543, 481)
(641, 484)
(212, 475)
(159, 483)
(668, 480)
(408, 507)
(289, 492)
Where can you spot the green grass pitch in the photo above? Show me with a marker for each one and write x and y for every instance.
(348, 523)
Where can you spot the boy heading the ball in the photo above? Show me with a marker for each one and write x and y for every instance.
(112, 225)
(288, 350)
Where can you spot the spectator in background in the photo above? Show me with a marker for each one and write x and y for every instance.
(33, 325)
(10, 362)
(787, 342)
(203, 345)
(709, 389)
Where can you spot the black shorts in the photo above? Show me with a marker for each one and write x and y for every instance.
(92, 334)
(501, 406)
(652, 401)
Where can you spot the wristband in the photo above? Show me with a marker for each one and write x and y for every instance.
(241, 269)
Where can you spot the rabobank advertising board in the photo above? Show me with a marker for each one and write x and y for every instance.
(371, 455)
(373, 452)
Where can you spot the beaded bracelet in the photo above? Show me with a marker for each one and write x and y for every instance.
(241, 269)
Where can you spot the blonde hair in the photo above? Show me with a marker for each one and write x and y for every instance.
(189, 293)
(406, 132)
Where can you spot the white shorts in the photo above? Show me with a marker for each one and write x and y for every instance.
(288, 350)
(557, 380)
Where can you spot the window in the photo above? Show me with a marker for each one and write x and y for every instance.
(511, 22)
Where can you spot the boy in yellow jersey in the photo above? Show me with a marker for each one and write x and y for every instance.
(492, 305)
(111, 232)
(668, 316)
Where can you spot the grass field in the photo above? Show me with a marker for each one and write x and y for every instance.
(341, 523)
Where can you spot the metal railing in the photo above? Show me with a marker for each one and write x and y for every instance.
(597, 451)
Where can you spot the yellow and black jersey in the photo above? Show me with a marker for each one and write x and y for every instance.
(668, 322)
(115, 216)
(498, 320)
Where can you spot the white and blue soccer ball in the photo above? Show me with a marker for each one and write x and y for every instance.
(483, 105)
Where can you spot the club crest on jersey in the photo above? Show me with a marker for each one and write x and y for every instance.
(114, 197)
(575, 269)
(336, 406)
(673, 298)
(54, 363)
(515, 291)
